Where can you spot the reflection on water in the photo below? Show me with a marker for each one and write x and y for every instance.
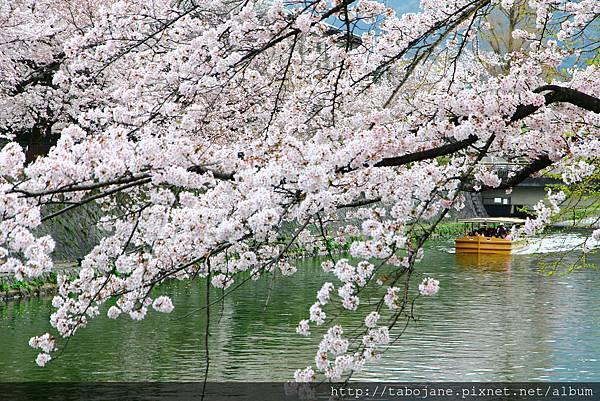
(494, 319)
(486, 262)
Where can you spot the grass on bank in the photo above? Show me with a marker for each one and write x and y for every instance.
(9, 287)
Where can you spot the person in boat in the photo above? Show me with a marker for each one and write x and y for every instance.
(502, 231)
(490, 232)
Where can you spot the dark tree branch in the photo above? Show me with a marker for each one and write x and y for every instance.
(217, 174)
(443, 150)
(82, 187)
(536, 166)
(362, 201)
(41, 75)
(97, 196)
(559, 94)
(293, 32)
(556, 94)
(521, 175)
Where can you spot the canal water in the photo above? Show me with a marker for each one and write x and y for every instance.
(493, 320)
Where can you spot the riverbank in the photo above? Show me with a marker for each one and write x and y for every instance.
(448, 229)
(10, 290)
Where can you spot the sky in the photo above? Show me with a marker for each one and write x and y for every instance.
(403, 6)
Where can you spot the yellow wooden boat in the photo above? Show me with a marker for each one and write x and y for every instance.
(479, 244)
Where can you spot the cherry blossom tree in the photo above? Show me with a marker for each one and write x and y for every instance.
(202, 128)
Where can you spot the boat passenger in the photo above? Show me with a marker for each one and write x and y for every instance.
(502, 231)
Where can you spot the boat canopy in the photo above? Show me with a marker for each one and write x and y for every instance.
(493, 220)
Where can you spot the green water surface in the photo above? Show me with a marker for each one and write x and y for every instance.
(491, 321)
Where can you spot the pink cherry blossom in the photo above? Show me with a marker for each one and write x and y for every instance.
(42, 359)
(163, 304)
(429, 286)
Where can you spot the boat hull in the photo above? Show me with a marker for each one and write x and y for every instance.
(484, 245)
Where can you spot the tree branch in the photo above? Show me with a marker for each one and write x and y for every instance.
(427, 154)
(535, 166)
(217, 174)
(558, 94)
